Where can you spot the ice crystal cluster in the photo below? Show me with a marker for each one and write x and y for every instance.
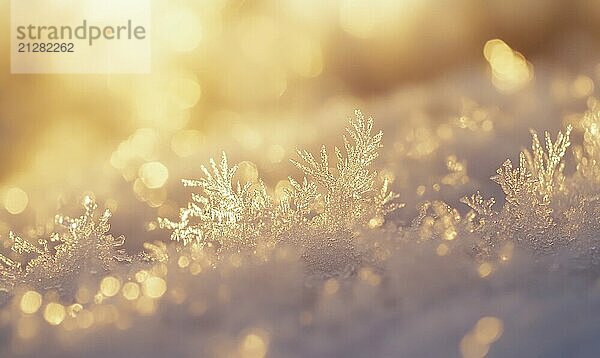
(319, 212)
(545, 211)
(235, 261)
(85, 246)
(323, 212)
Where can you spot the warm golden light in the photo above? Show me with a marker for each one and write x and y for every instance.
(181, 29)
(31, 302)
(476, 343)
(488, 329)
(442, 250)
(154, 287)
(186, 142)
(238, 203)
(15, 200)
(510, 69)
(253, 346)
(85, 319)
(185, 92)
(131, 291)
(54, 313)
(470, 347)
(247, 172)
(109, 286)
(27, 327)
(331, 287)
(154, 174)
(83, 295)
(484, 270)
(141, 276)
(183, 261)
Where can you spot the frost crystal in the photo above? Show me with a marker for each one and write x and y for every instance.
(225, 215)
(588, 156)
(529, 215)
(349, 195)
(348, 198)
(547, 166)
(544, 210)
(317, 212)
(86, 246)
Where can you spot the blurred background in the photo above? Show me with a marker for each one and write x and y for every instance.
(260, 78)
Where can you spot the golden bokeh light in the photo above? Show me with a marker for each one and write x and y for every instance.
(109, 286)
(476, 343)
(367, 232)
(306, 59)
(275, 153)
(484, 270)
(375, 222)
(582, 87)
(331, 287)
(470, 347)
(488, 329)
(83, 295)
(186, 143)
(254, 345)
(442, 250)
(180, 29)
(185, 92)
(510, 70)
(15, 200)
(154, 174)
(368, 275)
(141, 276)
(85, 319)
(54, 313)
(31, 302)
(183, 262)
(154, 287)
(131, 291)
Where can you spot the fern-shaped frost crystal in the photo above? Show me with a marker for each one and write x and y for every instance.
(224, 214)
(349, 192)
(547, 165)
(330, 198)
(85, 245)
(588, 155)
(531, 215)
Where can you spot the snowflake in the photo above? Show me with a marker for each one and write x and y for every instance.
(320, 210)
(86, 246)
